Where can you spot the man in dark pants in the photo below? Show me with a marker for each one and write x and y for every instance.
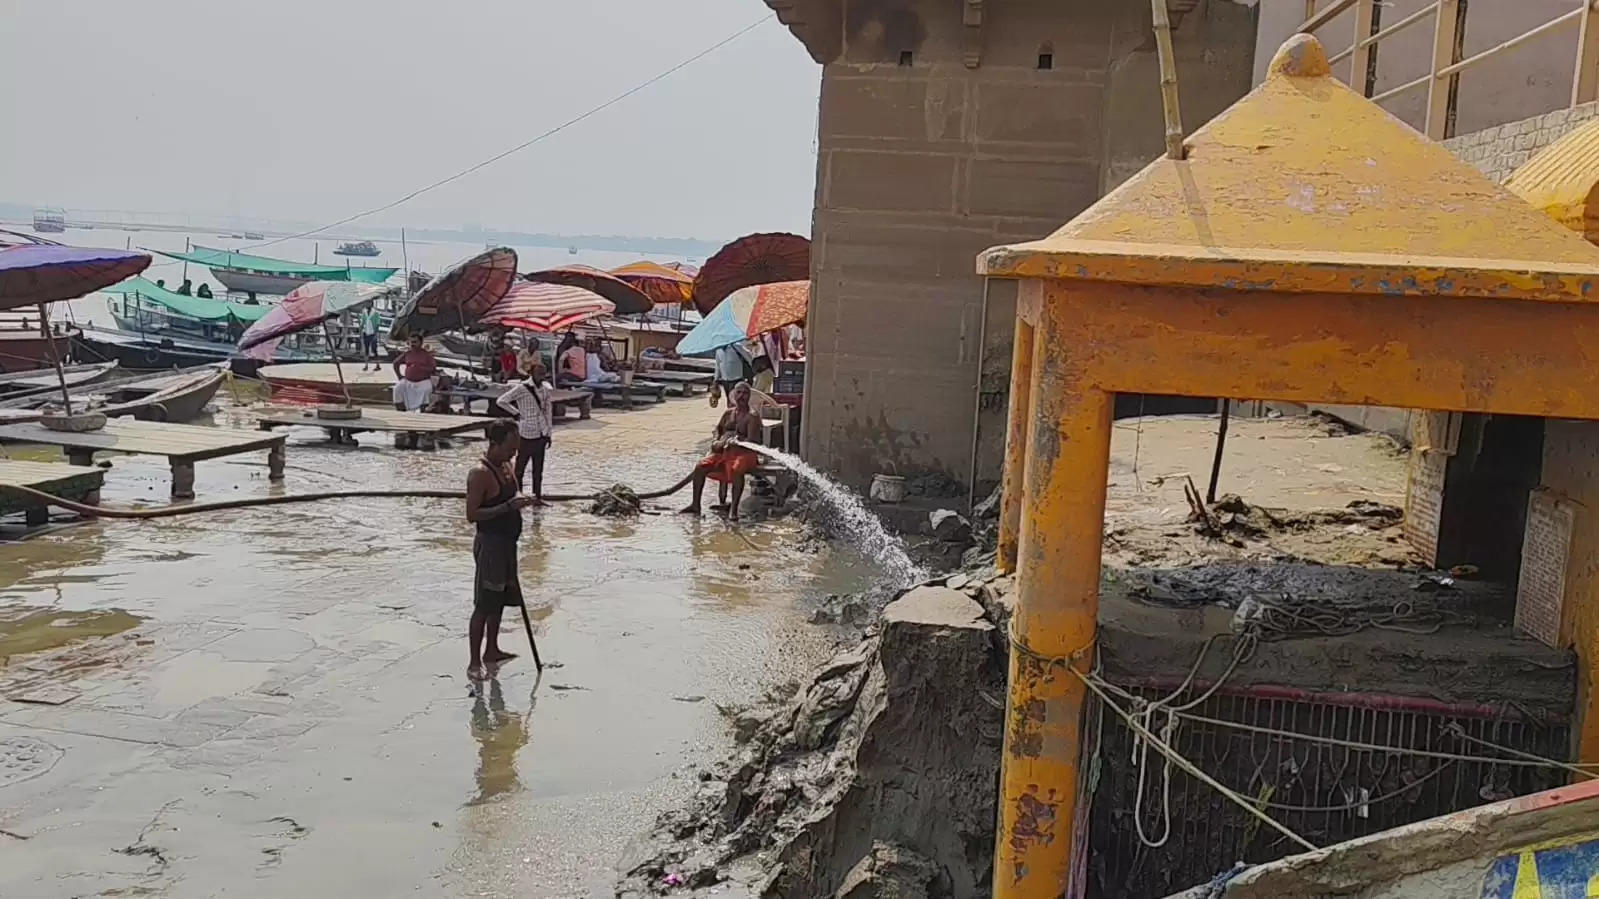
(529, 400)
(494, 504)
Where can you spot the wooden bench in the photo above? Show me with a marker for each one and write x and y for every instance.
(561, 398)
(626, 392)
(183, 445)
(413, 429)
(685, 382)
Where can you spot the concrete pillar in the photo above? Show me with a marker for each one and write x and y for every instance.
(1062, 518)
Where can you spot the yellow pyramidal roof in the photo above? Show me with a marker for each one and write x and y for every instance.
(1305, 186)
(1562, 182)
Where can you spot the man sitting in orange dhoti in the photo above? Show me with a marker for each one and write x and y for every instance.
(728, 462)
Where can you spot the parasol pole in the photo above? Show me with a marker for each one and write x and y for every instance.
(328, 336)
(186, 251)
(55, 357)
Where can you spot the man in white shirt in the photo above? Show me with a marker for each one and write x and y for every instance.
(529, 400)
(732, 366)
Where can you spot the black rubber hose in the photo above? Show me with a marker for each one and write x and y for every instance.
(248, 502)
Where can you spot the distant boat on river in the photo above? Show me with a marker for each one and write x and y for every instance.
(358, 248)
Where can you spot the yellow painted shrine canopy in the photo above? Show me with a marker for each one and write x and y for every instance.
(1563, 181)
(1306, 186)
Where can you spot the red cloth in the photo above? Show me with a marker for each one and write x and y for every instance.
(729, 464)
(508, 362)
(418, 364)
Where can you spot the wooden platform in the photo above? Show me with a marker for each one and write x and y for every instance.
(684, 382)
(415, 424)
(183, 445)
(74, 482)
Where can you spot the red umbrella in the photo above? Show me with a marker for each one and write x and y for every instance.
(547, 307)
(629, 300)
(459, 295)
(748, 261)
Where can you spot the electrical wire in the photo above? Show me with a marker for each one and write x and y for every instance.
(527, 143)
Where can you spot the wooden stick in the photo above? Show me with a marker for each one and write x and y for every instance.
(528, 623)
(1168, 80)
(1221, 443)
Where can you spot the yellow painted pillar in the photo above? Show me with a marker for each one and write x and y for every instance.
(1058, 581)
(1021, 386)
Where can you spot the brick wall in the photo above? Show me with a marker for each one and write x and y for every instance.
(925, 161)
(1498, 151)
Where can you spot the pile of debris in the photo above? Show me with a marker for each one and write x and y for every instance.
(817, 803)
(615, 501)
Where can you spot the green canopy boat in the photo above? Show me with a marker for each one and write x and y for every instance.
(248, 273)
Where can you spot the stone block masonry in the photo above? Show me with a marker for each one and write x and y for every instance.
(1499, 151)
(944, 129)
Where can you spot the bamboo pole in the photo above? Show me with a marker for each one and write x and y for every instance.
(1168, 80)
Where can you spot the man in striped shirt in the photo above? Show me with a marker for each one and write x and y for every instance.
(529, 401)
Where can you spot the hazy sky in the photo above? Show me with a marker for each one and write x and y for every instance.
(315, 109)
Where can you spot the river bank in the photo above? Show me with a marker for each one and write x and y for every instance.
(272, 702)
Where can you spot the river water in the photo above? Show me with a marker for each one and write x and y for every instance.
(272, 701)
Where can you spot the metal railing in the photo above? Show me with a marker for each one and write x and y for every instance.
(1442, 80)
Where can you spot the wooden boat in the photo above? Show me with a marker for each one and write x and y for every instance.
(1545, 844)
(73, 375)
(462, 345)
(176, 396)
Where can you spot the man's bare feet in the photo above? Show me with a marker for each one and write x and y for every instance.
(496, 656)
(689, 510)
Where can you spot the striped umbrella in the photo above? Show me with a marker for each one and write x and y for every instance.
(747, 312)
(550, 308)
(662, 283)
(629, 300)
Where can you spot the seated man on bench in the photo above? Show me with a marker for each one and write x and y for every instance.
(729, 462)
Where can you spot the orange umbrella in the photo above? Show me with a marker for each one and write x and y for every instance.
(751, 260)
(661, 283)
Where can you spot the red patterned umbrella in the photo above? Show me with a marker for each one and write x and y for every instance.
(459, 295)
(629, 300)
(535, 306)
(748, 261)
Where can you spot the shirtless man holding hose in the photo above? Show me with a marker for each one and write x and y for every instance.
(728, 462)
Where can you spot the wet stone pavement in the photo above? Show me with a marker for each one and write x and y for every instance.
(272, 702)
